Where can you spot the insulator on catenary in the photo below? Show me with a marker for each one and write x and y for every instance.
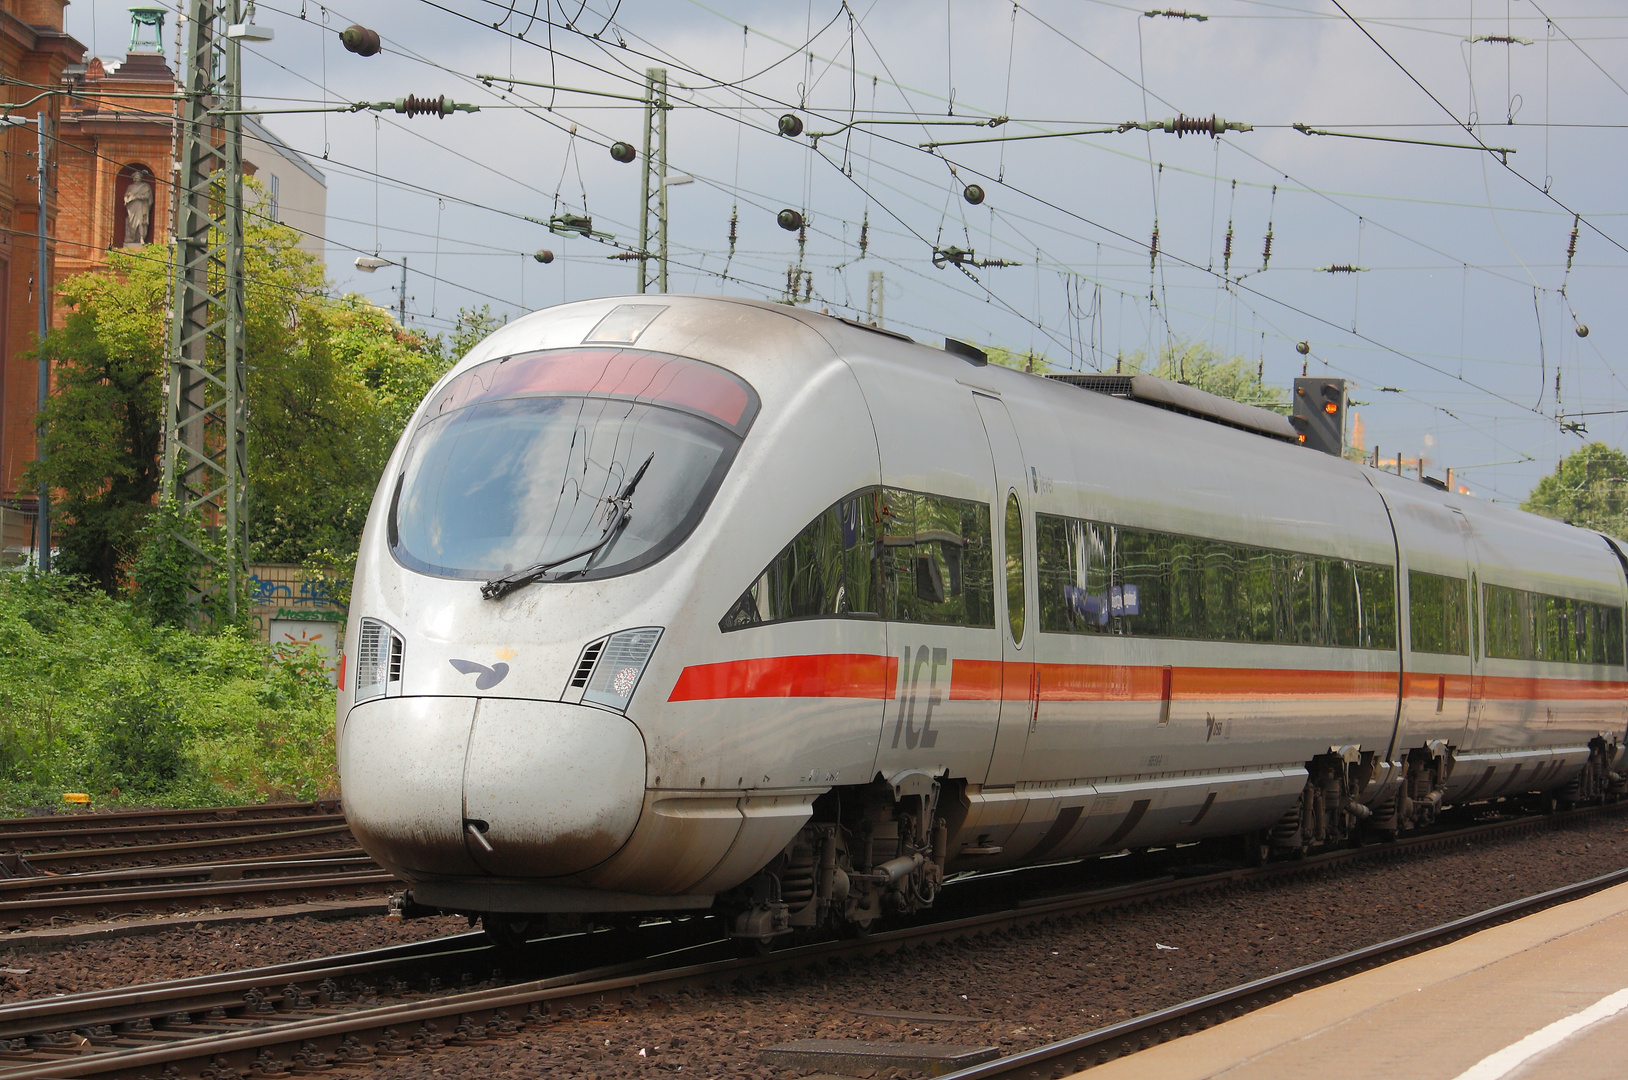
(1302, 347)
(791, 124)
(544, 256)
(1226, 253)
(1182, 124)
(734, 223)
(973, 193)
(789, 219)
(864, 234)
(1172, 13)
(1266, 249)
(623, 152)
(1153, 247)
(1500, 39)
(1571, 246)
(438, 105)
(360, 40)
(1342, 268)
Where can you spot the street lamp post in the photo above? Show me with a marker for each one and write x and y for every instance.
(369, 263)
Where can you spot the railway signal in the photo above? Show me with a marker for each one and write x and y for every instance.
(1319, 414)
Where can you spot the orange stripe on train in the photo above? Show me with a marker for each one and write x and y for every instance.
(841, 675)
(866, 676)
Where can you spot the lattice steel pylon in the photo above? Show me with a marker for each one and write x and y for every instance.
(655, 182)
(205, 467)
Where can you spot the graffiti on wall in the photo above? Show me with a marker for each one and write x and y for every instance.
(271, 593)
(288, 608)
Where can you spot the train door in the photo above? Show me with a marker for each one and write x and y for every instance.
(1015, 621)
(1472, 719)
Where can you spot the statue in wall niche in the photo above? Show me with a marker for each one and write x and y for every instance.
(138, 209)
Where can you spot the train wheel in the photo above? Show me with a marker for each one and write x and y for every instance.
(857, 930)
(1257, 852)
(509, 933)
(755, 946)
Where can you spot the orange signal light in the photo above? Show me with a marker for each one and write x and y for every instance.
(1301, 437)
(1331, 408)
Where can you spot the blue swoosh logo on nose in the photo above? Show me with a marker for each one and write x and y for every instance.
(489, 676)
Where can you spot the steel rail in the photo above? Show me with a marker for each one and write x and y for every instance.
(145, 852)
(180, 872)
(248, 826)
(226, 989)
(270, 890)
(309, 1036)
(99, 819)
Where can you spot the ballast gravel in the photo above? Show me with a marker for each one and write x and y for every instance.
(1015, 990)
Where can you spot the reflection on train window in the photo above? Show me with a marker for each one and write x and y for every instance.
(1438, 613)
(1097, 578)
(880, 553)
(1014, 567)
(1524, 625)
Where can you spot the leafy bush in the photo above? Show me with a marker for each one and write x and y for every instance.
(95, 696)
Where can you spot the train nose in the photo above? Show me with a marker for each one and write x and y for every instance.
(467, 786)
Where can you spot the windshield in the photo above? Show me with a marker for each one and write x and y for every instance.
(516, 465)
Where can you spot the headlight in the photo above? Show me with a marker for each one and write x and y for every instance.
(621, 664)
(378, 660)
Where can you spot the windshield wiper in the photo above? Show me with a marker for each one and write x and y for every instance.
(621, 510)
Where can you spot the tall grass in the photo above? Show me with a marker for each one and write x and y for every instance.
(95, 698)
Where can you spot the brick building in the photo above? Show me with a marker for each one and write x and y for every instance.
(34, 52)
(113, 140)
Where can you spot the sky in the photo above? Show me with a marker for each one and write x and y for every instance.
(1455, 316)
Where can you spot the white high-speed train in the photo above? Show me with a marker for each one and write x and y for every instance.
(673, 603)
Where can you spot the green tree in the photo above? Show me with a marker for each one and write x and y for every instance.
(1588, 488)
(104, 421)
(395, 368)
(332, 383)
(312, 426)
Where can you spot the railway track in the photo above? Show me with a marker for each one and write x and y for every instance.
(163, 890)
(33, 847)
(353, 1010)
(97, 819)
(158, 862)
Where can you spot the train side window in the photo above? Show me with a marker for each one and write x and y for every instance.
(1014, 567)
(1097, 578)
(1437, 613)
(893, 554)
(828, 570)
(936, 563)
(1523, 625)
(1072, 567)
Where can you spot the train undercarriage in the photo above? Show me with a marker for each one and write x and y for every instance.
(874, 852)
(879, 850)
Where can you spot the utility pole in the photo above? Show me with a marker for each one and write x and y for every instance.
(873, 298)
(42, 292)
(205, 464)
(655, 181)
